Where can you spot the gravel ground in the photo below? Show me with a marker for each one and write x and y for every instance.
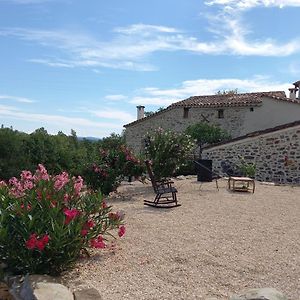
(216, 244)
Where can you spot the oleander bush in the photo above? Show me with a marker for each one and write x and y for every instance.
(47, 222)
(168, 151)
(111, 166)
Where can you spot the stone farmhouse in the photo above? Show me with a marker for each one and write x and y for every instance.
(238, 114)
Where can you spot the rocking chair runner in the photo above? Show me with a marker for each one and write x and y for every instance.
(165, 193)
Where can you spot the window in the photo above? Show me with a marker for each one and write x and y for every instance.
(251, 109)
(221, 113)
(186, 112)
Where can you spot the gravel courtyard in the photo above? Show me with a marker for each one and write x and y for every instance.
(216, 244)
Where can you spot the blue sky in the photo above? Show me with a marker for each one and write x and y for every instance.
(85, 65)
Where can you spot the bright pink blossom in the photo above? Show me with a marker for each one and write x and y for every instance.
(40, 245)
(84, 232)
(45, 239)
(26, 175)
(31, 242)
(17, 189)
(89, 224)
(121, 231)
(28, 185)
(41, 173)
(98, 242)
(78, 185)
(61, 180)
(70, 214)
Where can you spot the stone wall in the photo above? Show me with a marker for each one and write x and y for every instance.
(276, 154)
(173, 119)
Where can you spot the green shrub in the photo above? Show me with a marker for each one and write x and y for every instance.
(247, 169)
(168, 151)
(47, 222)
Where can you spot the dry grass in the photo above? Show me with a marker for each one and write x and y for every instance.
(216, 244)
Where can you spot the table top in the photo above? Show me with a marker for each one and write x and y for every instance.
(241, 178)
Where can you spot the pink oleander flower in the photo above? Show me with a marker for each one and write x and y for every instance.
(42, 242)
(113, 216)
(66, 198)
(28, 207)
(78, 184)
(13, 181)
(98, 242)
(84, 232)
(41, 173)
(70, 214)
(26, 175)
(121, 231)
(40, 245)
(31, 242)
(89, 224)
(17, 189)
(61, 180)
(28, 185)
(2, 183)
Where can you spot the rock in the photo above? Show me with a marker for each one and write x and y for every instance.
(260, 294)
(4, 293)
(24, 288)
(51, 291)
(181, 177)
(87, 294)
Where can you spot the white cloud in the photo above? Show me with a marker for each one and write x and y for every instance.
(247, 4)
(55, 123)
(121, 116)
(17, 99)
(130, 46)
(159, 97)
(144, 100)
(115, 97)
(145, 29)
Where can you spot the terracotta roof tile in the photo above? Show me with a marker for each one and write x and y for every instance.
(227, 100)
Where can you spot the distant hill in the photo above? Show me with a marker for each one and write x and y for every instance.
(89, 138)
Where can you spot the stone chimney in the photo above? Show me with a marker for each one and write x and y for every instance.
(140, 112)
(293, 92)
(297, 86)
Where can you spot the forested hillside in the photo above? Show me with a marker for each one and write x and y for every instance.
(20, 151)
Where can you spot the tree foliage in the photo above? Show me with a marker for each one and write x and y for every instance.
(149, 113)
(20, 151)
(227, 92)
(205, 134)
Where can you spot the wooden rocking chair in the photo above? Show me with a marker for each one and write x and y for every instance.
(165, 193)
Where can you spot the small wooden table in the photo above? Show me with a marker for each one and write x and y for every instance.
(245, 184)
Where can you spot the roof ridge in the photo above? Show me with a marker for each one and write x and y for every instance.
(215, 101)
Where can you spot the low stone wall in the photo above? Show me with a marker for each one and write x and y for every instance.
(276, 154)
